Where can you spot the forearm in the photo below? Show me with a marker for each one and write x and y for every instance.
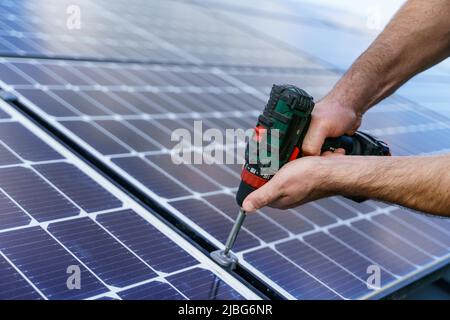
(420, 183)
(416, 38)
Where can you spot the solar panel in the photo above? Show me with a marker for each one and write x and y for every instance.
(213, 62)
(135, 31)
(57, 213)
(327, 244)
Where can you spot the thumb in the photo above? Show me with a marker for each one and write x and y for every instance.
(337, 153)
(261, 197)
(314, 139)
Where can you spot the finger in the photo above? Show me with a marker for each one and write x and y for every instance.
(261, 197)
(314, 139)
(337, 152)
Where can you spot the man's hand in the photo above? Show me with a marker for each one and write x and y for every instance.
(330, 119)
(420, 183)
(297, 182)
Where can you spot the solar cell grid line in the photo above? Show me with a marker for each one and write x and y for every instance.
(105, 44)
(294, 282)
(426, 244)
(152, 291)
(117, 244)
(16, 287)
(258, 224)
(153, 178)
(324, 269)
(356, 263)
(441, 236)
(438, 222)
(108, 259)
(10, 214)
(410, 252)
(102, 37)
(204, 44)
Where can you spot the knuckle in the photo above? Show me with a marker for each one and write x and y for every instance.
(262, 200)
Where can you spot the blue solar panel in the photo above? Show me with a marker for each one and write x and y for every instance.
(123, 114)
(45, 261)
(152, 291)
(13, 286)
(260, 225)
(25, 144)
(287, 275)
(147, 242)
(136, 145)
(201, 284)
(99, 251)
(150, 176)
(96, 138)
(7, 157)
(52, 104)
(42, 201)
(327, 271)
(78, 186)
(58, 215)
(10, 214)
(381, 255)
(348, 257)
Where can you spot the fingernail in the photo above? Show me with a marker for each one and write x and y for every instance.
(248, 206)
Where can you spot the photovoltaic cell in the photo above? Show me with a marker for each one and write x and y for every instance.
(44, 260)
(107, 258)
(184, 173)
(110, 100)
(3, 115)
(154, 290)
(42, 201)
(127, 135)
(12, 77)
(329, 273)
(51, 104)
(314, 214)
(7, 157)
(96, 138)
(217, 224)
(151, 177)
(124, 115)
(288, 275)
(10, 214)
(380, 255)
(81, 103)
(258, 224)
(414, 255)
(26, 145)
(200, 284)
(84, 191)
(118, 251)
(288, 219)
(147, 242)
(353, 262)
(424, 243)
(13, 286)
(336, 209)
(419, 225)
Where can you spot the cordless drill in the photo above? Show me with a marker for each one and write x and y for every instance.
(288, 114)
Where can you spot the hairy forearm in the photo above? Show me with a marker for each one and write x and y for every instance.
(416, 38)
(420, 183)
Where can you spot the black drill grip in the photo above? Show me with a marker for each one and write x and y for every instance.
(343, 142)
(243, 191)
